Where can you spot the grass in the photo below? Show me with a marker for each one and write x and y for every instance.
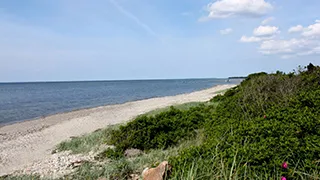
(219, 169)
(238, 169)
(124, 167)
(87, 143)
(221, 91)
(20, 177)
(184, 106)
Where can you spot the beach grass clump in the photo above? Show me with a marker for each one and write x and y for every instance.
(20, 177)
(88, 142)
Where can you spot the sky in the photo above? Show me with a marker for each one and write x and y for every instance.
(70, 40)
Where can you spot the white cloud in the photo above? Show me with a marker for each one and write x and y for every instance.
(247, 8)
(261, 33)
(306, 44)
(313, 30)
(295, 29)
(266, 31)
(226, 31)
(267, 21)
(290, 48)
(246, 39)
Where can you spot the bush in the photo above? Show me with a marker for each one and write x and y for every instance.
(160, 131)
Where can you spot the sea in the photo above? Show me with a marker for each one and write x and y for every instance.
(25, 101)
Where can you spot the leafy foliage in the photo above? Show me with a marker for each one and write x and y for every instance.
(162, 130)
(265, 121)
(113, 153)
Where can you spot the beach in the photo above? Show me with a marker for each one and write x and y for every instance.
(24, 143)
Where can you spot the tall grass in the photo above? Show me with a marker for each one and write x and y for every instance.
(215, 166)
(219, 169)
(122, 168)
(20, 177)
(88, 142)
(184, 106)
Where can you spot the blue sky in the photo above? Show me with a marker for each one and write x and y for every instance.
(46, 40)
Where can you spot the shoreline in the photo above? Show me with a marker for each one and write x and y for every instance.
(93, 107)
(29, 141)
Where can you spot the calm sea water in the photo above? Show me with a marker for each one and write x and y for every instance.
(23, 101)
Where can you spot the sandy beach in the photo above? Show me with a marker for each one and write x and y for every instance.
(24, 143)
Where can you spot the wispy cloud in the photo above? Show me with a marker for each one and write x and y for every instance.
(226, 31)
(267, 21)
(134, 18)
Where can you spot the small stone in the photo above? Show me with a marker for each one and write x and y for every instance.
(132, 152)
(134, 177)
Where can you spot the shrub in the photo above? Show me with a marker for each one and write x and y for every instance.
(160, 131)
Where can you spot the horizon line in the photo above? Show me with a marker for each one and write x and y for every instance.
(66, 81)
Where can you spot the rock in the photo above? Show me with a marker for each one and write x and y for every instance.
(132, 152)
(54, 151)
(134, 177)
(158, 173)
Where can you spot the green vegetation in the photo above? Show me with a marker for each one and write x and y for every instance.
(87, 143)
(122, 168)
(21, 177)
(92, 141)
(265, 121)
(184, 106)
(162, 130)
